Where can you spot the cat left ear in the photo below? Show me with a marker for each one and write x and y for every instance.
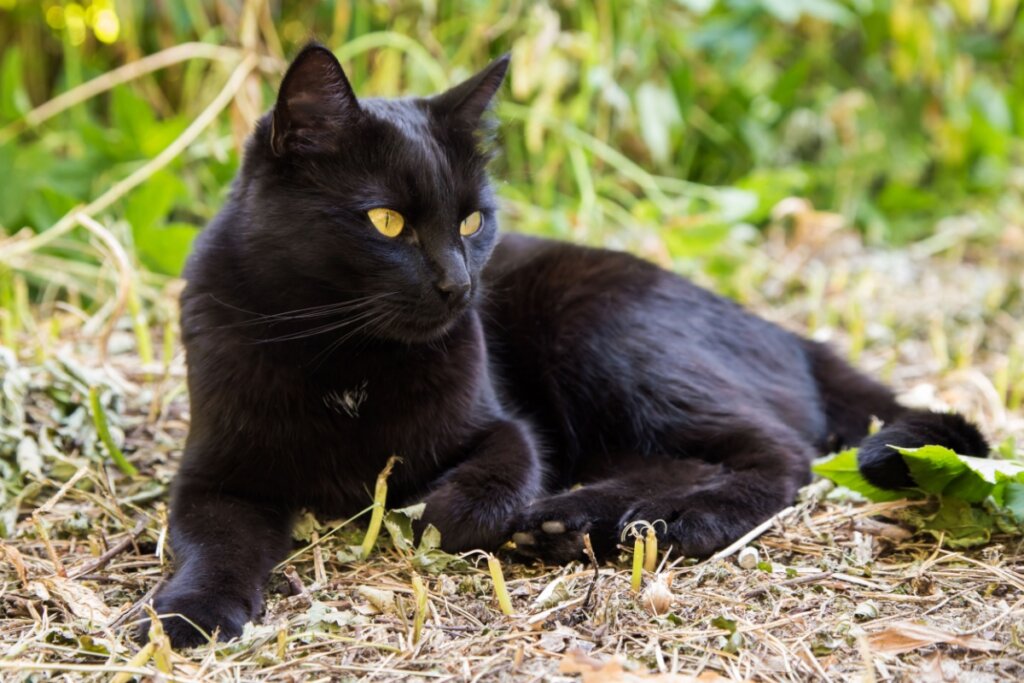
(314, 105)
(467, 102)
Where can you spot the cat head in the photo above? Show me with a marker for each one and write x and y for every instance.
(384, 201)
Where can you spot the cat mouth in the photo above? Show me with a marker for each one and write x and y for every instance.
(421, 330)
(424, 331)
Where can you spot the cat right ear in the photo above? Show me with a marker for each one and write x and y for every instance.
(466, 103)
(314, 105)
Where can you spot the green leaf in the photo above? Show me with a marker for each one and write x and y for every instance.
(430, 558)
(940, 471)
(305, 526)
(994, 470)
(349, 554)
(165, 249)
(958, 523)
(399, 525)
(149, 205)
(933, 468)
(724, 623)
(431, 539)
(1013, 500)
(320, 613)
(843, 470)
(698, 240)
(14, 100)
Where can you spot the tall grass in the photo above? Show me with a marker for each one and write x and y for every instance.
(665, 126)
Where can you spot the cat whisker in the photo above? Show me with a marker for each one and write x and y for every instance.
(323, 329)
(374, 325)
(320, 311)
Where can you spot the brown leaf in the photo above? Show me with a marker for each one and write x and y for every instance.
(14, 557)
(876, 528)
(593, 670)
(907, 636)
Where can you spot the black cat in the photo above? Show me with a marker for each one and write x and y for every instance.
(353, 300)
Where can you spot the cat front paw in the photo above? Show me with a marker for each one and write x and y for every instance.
(553, 528)
(465, 521)
(190, 617)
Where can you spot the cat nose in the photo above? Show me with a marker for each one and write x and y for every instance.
(454, 292)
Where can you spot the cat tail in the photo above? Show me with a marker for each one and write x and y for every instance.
(884, 467)
(851, 400)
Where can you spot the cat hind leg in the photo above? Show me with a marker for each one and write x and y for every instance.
(553, 528)
(697, 506)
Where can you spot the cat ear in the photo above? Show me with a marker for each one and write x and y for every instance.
(467, 102)
(315, 103)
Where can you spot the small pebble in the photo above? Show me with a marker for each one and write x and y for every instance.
(748, 558)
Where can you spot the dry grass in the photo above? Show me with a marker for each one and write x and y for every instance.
(835, 596)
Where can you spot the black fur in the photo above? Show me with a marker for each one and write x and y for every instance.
(884, 467)
(317, 348)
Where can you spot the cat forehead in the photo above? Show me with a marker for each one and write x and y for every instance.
(414, 145)
(410, 120)
(409, 116)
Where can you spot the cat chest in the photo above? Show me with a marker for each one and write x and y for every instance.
(359, 429)
(371, 419)
(346, 401)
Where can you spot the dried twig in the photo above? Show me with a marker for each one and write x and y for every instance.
(114, 550)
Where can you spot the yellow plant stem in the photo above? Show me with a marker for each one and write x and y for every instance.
(380, 496)
(651, 550)
(500, 589)
(638, 564)
(136, 662)
(419, 592)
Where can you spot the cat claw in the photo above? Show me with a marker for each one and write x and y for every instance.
(553, 527)
(552, 530)
(523, 538)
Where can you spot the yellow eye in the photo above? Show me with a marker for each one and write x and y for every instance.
(471, 224)
(387, 221)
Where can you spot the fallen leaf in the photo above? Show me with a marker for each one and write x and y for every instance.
(14, 557)
(593, 670)
(907, 636)
(874, 527)
(83, 602)
(382, 601)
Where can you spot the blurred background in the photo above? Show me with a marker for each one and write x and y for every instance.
(718, 137)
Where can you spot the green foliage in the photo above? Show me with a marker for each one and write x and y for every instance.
(664, 122)
(967, 498)
(427, 556)
(842, 469)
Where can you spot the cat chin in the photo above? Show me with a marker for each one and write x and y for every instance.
(410, 334)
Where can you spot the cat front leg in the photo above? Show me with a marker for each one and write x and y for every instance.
(474, 503)
(224, 548)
